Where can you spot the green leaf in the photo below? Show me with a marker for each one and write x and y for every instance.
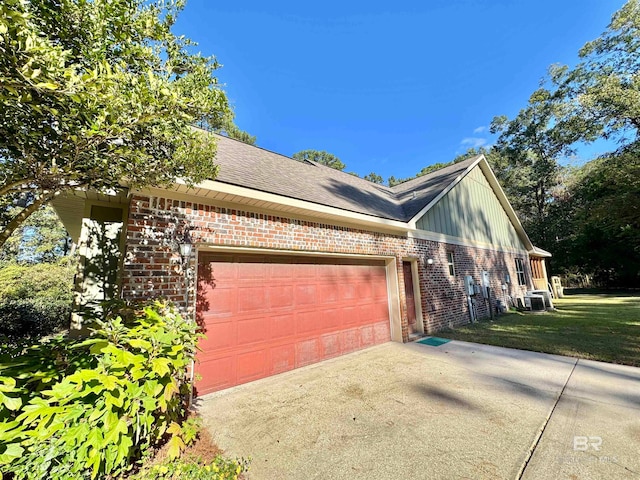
(10, 453)
(141, 344)
(111, 399)
(175, 446)
(123, 449)
(98, 347)
(161, 366)
(48, 86)
(174, 429)
(10, 402)
(109, 381)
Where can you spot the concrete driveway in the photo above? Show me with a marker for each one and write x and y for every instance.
(460, 410)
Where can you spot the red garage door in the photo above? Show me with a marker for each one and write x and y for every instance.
(264, 315)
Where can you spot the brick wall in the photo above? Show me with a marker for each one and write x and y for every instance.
(152, 265)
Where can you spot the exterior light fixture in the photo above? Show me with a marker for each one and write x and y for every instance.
(186, 247)
(428, 261)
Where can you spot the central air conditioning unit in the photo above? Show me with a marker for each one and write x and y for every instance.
(534, 303)
(548, 304)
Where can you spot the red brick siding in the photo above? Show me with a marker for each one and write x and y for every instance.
(152, 264)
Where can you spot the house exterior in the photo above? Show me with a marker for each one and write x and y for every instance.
(296, 262)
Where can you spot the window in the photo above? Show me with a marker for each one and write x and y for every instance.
(452, 266)
(520, 272)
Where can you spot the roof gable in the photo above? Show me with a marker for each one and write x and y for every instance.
(472, 211)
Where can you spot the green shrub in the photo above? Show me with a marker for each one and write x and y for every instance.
(78, 409)
(35, 300)
(193, 469)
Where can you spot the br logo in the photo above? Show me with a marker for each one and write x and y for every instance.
(583, 444)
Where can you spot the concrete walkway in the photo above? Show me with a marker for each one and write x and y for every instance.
(460, 410)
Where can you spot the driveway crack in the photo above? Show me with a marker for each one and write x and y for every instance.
(536, 440)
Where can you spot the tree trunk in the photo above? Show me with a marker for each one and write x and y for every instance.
(23, 215)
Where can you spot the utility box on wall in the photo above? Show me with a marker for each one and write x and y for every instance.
(468, 285)
(485, 284)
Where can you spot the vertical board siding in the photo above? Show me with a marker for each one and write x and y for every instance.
(472, 211)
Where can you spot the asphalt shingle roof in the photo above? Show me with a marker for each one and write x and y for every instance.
(259, 169)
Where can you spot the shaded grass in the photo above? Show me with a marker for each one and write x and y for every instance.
(595, 327)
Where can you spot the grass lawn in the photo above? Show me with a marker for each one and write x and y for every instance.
(597, 327)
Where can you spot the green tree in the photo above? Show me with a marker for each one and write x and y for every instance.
(601, 95)
(231, 130)
(530, 146)
(319, 156)
(94, 94)
(606, 222)
(393, 181)
(40, 238)
(374, 178)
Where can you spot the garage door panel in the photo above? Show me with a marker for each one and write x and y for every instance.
(217, 374)
(364, 291)
(381, 332)
(265, 315)
(307, 322)
(380, 311)
(222, 302)
(219, 335)
(364, 314)
(348, 291)
(282, 358)
(380, 289)
(252, 272)
(308, 352)
(367, 338)
(328, 293)
(350, 316)
(223, 271)
(333, 319)
(250, 331)
(305, 294)
(280, 271)
(281, 296)
(305, 271)
(252, 365)
(282, 326)
(251, 299)
(349, 340)
(330, 345)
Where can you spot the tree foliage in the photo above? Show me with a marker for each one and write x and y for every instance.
(602, 93)
(321, 157)
(231, 130)
(598, 222)
(96, 93)
(41, 238)
(374, 178)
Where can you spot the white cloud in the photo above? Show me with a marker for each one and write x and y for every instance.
(479, 130)
(473, 142)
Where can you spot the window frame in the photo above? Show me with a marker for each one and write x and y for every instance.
(520, 272)
(451, 263)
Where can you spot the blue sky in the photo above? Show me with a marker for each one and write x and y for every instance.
(388, 87)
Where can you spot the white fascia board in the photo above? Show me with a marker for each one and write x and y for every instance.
(311, 209)
(412, 223)
(539, 252)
